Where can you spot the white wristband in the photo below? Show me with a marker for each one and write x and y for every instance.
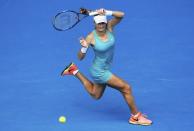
(108, 12)
(84, 49)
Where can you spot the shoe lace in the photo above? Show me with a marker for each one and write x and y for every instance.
(144, 115)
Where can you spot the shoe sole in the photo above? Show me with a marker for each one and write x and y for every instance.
(136, 123)
(67, 68)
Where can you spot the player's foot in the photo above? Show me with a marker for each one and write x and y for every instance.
(140, 119)
(71, 69)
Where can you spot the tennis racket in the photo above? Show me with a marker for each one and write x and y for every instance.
(67, 19)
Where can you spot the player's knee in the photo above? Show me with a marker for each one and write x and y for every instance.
(126, 89)
(96, 97)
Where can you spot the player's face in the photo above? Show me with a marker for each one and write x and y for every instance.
(101, 27)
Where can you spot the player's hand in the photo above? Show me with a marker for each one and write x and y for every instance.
(83, 42)
(84, 11)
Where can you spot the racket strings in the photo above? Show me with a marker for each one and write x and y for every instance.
(66, 20)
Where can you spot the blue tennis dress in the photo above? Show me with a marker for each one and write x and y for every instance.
(104, 51)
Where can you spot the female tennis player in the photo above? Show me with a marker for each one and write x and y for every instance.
(102, 39)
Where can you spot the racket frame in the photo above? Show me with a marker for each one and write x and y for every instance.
(92, 13)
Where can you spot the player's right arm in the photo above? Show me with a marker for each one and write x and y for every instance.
(85, 43)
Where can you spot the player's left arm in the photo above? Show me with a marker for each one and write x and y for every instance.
(117, 17)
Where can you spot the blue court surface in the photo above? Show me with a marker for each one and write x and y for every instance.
(154, 54)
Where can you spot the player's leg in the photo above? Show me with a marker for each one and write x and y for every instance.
(119, 84)
(95, 90)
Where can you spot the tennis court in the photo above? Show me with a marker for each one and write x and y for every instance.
(154, 53)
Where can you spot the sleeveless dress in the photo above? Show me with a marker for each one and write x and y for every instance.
(104, 51)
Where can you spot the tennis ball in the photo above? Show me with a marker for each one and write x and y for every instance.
(62, 119)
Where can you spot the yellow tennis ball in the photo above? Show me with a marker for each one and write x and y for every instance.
(62, 119)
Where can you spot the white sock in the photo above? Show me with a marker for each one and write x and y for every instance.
(75, 72)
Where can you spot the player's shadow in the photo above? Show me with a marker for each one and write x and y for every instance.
(118, 114)
(110, 110)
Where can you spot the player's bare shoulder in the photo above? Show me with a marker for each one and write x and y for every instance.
(90, 38)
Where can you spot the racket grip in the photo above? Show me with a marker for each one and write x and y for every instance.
(93, 13)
